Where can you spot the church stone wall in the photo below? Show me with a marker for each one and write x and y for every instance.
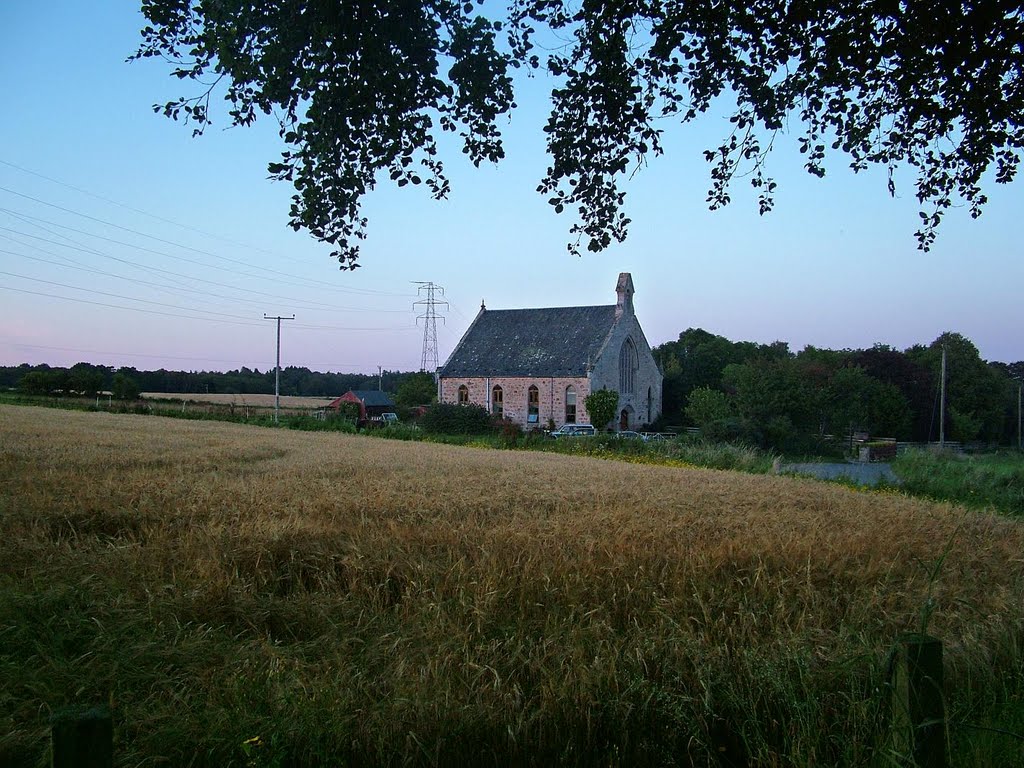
(606, 373)
(515, 393)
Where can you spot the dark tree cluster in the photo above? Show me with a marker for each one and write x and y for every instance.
(361, 91)
(768, 395)
(86, 379)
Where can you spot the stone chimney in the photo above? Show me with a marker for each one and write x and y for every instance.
(624, 292)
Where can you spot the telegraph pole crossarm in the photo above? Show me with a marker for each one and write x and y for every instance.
(277, 370)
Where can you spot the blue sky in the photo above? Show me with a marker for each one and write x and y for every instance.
(167, 250)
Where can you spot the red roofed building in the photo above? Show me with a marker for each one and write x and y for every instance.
(371, 402)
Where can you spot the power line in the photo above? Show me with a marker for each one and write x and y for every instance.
(143, 248)
(197, 230)
(276, 273)
(120, 306)
(172, 306)
(127, 207)
(160, 286)
(128, 262)
(74, 244)
(120, 296)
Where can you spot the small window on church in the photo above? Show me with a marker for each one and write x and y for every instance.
(649, 402)
(463, 395)
(533, 405)
(570, 405)
(497, 401)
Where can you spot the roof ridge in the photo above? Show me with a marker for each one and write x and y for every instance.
(544, 309)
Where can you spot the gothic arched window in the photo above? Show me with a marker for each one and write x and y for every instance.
(628, 364)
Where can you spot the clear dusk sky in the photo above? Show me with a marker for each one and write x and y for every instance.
(123, 241)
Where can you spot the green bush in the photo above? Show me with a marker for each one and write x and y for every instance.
(601, 406)
(398, 432)
(451, 419)
(310, 424)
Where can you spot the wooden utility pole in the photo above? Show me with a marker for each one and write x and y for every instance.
(277, 370)
(1020, 390)
(942, 401)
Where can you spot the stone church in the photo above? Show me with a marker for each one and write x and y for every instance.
(537, 365)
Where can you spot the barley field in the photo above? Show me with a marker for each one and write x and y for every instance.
(250, 400)
(254, 597)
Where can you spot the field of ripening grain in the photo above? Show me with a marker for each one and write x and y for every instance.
(250, 596)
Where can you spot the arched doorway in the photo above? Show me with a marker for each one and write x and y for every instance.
(624, 419)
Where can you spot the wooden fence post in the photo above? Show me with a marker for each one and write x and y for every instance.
(918, 702)
(82, 738)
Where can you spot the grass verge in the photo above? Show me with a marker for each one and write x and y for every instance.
(991, 480)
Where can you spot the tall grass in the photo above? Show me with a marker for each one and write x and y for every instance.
(350, 601)
(992, 480)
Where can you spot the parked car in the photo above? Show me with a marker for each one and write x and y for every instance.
(574, 430)
(628, 434)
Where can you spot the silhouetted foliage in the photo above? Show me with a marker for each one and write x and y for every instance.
(294, 380)
(363, 90)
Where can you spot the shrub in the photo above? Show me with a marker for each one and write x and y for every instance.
(601, 406)
(510, 432)
(399, 431)
(345, 410)
(310, 424)
(451, 419)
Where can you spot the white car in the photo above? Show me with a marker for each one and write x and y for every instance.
(574, 430)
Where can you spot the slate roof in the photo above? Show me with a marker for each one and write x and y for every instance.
(373, 398)
(560, 341)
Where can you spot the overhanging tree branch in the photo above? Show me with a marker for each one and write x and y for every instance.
(365, 86)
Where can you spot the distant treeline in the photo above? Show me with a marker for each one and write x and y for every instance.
(767, 394)
(761, 393)
(86, 378)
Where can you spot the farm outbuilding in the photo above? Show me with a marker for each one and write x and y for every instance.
(372, 403)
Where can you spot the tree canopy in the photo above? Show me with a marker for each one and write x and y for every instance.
(788, 401)
(361, 90)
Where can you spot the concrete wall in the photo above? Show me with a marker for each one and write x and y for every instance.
(515, 392)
